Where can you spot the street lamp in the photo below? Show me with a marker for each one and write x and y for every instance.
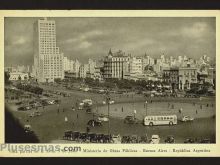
(146, 107)
(108, 102)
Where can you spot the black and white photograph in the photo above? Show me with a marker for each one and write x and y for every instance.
(110, 80)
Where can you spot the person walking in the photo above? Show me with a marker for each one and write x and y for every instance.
(196, 112)
(66, 119)
(77, 116)
(122, 109)
(58, 111)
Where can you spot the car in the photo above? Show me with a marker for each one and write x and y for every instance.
(28, 107)
(155, 139)
(205, 141)
(94, 123)
(103, 118)
(116, 139)
(130, 120)
(189, 140)
(81, 104)
(111, 102)
(27, 129)
(169, 139)
(187, 118)
(22, 109)
(36, 113)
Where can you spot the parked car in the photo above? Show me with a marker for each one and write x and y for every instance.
(94, 123)
(187, 118)
(169, 139)
(155, 139)
(189, 140)
(130, 120)
(28, 107)
(33, 114)
(116, 139)
(111, 102)
(22, 109)
(102, 118)
(205, 141)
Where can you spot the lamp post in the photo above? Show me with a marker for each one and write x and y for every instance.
(108, 102)
(146, 107)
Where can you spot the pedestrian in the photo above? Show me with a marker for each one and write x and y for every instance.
(77, 116)
(58, 111)
(196, 112)
(151, 101)
(63, 109)
(122, 109)
(66, 119)
(207, 105)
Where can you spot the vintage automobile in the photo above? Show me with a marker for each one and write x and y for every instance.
(130, 120)
(116, 139)
(103, 118)
(189, 140)
(187, 118)
(169, 139)
(94, 123)
(205, 141)
(33, 114)
(155, 139)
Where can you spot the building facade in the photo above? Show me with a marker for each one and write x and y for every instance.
(14, 76)
(135, 65)
(48, 61)
(83, 70)
(187, 76)
(116, 65)
(171, 76)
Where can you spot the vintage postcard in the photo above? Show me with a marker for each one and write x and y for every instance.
(109, 83)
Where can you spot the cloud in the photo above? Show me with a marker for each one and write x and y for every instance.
(19, 41)
(84, 45)
(197, 30)
(93, 37)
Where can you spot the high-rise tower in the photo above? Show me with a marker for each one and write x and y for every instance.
(48, 61)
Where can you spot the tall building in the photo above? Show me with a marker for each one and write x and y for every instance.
(171, 76)
(48, 61)
(83, 70)
(187, 76)
(135, 66)
(116, 65)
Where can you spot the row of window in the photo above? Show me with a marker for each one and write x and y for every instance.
(159, 118)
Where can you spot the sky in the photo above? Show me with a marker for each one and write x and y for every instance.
(84, 38)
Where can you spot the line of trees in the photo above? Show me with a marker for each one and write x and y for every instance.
(30, 88)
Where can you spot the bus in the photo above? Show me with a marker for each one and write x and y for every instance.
(160, 120)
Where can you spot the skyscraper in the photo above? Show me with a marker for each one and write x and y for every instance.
(48, 61)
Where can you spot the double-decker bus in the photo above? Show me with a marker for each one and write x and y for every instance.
(160, 120)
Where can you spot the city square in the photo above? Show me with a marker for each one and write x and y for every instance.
(116, 97)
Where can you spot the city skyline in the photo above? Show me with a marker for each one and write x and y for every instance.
(83, 38)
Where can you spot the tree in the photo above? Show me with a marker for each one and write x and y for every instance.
(7, 76)
(19, 78)
(57, 80)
